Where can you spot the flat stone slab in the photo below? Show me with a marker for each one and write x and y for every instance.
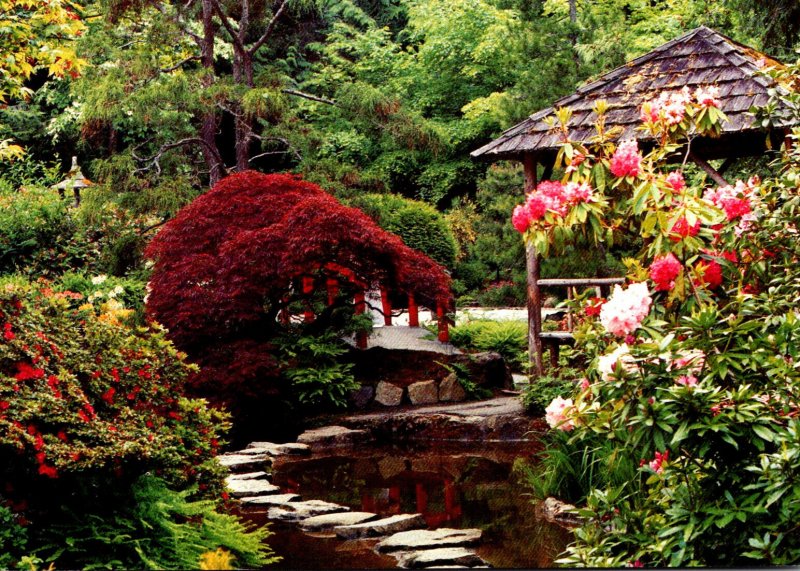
(271, 500)
(243, 462)
(334, 436)
(279, 449)
(329, 521)
(439, 557)
(416, 539)
(241, 488)
(247, 476)
(385, 526)
(298, 511)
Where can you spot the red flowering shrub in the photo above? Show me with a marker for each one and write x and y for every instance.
(229, 263)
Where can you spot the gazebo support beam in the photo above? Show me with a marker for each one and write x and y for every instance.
(708, 169)
(534, 296)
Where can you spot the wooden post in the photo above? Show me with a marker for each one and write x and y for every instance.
(534, 297)
(413, 311)
(332, 286)
(308, 288)
(361, 307)
(386, 306)
(444, 333)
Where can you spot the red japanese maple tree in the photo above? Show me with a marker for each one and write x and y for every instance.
(230, 262)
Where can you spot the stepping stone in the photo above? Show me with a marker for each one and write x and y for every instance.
(385, 526)
(329, 521)
(252, 452)
(241, 488)
(416, 539)
(298, 511)
(334, 436)
(271, 500)
(450, 389)
(279, 449)
(243, 462)
(247, 476)
(439, 557)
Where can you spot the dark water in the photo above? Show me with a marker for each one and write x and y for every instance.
(452, 486)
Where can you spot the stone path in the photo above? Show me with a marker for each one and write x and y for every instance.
(404, 536)
(408, 338)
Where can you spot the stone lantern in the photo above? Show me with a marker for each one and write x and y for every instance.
(74, 180)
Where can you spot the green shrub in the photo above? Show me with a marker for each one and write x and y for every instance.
(13, 538)
(420, 225)
(542, 390)
(312, 364)
(509, 338)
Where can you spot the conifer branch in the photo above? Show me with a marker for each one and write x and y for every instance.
(179, 64)
(270, 27)
(226, 23)
(308, 96)
(154, 161)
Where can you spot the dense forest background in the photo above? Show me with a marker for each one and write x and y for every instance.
(364, 97)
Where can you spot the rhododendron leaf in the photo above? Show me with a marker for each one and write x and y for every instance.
(763, 432)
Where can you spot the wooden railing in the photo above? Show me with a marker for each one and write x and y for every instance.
(552, 340)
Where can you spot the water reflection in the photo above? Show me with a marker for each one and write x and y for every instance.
(456, 486)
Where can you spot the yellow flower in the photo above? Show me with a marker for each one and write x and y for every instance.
(219, 559)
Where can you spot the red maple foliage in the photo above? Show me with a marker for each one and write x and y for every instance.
(229, 262)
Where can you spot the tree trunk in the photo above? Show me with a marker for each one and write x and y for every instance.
(208, 127)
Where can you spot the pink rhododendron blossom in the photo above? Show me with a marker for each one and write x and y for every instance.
(707, 96)
(709, 274)
(681, 229)
(670, 106)
(577, 159)
(675, 180)
(521, 218)
(626, 159)
(657, 465)
(664, 270)
(693, 360)
(537, 207)
(584, 384)
(555, 414)
(625, 309)
(734, 200)
(686, 380)
(607, 364)
(575, 193)
(552, 194)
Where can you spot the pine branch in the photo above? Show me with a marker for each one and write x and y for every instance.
(270, 27)
(154, 161)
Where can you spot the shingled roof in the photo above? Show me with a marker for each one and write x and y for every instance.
(700, 57)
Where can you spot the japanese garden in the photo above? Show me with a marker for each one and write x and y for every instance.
(357, 284)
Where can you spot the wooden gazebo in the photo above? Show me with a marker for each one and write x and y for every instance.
(702, 57)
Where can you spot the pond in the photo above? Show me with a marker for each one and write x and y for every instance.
(452, 485)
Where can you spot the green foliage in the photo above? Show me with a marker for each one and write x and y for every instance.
(472, 390)
(13, 538)
(509, 338)
(154, 527)
(542, 390)
(313, 366)
(419, 225)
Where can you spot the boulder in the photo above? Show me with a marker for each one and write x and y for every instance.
(388, 394)
(241, 488)
(360, 398)
(334, 437)
(423, 392)
(417, 539)
(269, 500)
(450, 389)
(244, 462)
(556, 511)
(489, 369)
(298, 511)
(386, 526)
(438, 557)
(329, 521)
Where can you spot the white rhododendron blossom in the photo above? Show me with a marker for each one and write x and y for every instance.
(606, 365)
(625, 309)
